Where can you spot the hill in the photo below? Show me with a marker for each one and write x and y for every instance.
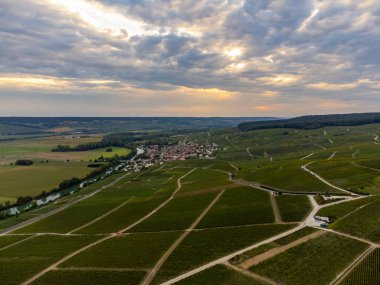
(314, 121)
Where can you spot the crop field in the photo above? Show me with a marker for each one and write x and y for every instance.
(208, 215)
(219, 274)
(293, 208)
(321, 259)
(36, 254)
(100, 277)
(203, 246)
(348, 176)
(366, 272)
(363, 223)
(178, 214)
(140, 251)
(340, 210)
(204, 178)
(280, 175)
(239, 206)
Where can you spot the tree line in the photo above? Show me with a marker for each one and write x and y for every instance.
(314, 122)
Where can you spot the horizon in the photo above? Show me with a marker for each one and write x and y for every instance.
(139, 59)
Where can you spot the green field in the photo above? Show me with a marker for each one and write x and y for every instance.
(68, 277)
(203, 246)
(219, 274)
(366, 272)
(140, 218)
(315, 262)
(239, 206)
(32, 180)
(363, 223)
(293, 208)
(139, 251)
(35, 255)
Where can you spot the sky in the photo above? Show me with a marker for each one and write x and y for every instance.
(189, 58)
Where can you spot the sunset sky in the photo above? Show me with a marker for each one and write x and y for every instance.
(188, 58)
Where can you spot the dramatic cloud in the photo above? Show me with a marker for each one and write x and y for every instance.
(196, 57)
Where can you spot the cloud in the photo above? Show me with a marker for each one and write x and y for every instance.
(159, 56)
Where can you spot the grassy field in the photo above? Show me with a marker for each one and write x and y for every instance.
(293, 208)
(366, 272)
(32, 180)
(204, 246)
(317, 261)
(239, 206)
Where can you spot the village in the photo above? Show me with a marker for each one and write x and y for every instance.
(148, 155)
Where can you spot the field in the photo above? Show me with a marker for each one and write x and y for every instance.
(366, 272)
(209, 215)
(219, 274)
(49, 168)
(239, 206)
(363, 223)
(322, 258)
(203, 246)
(293, 208)
(38, 177)
(36, 254)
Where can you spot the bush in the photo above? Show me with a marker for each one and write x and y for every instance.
(24, 162)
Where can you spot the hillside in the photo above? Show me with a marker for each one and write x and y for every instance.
(314, 121)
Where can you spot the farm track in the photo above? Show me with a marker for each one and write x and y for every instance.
(149, 278)
(332, 155)
(43, 216)
(304, 167)
(17, 242)
(276, 210)
(250, 274)
(278, 250)
(307, 156)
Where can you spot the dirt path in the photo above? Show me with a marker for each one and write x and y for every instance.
(248, 149)
(101, 269)
(150, 276)
(277, 250)
(362, 166)
(331, 141)
(102, 216)
(56, 264)
(276, 210)
(234, 166)
(332, 155)
(179, 186)
(349, 268)
(307, 156)
(321, 146)
(43, 216)
(355, 153)
(17, 242)
(304, 167)
(251, 275)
